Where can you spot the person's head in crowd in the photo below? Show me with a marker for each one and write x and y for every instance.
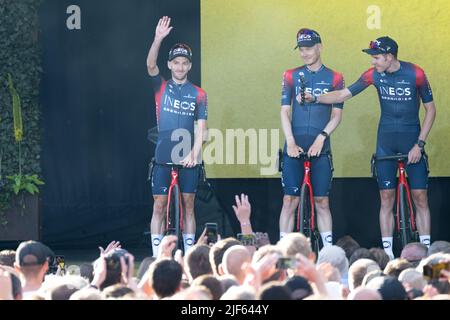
(294, 243)
(381, 257)
(239, 293)
(394, 267)
(196, 261)
(32, 264)
(165, 277)
(7, 258)
(439, 246)
(210, 282)
(118, 291)
(217, 251)
(362, 293)
(277, 275)
(299, 287)
(361, 253)
(87, 294)
(371, 275)
(227, 281)
(57, 287)
(193, 293)
(412, 279)
(389, 288)
(143, 267)
(358, 270)
(16, 285)
(414, 252)
(87, 271)
(233, 260)
(335, 256)
(348, 244)
(61, 292)
(274, 290)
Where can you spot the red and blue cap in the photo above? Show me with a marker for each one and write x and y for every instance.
(382, 45)
(180, 50)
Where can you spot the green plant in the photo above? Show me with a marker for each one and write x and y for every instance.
(28, 183)
(20, 71)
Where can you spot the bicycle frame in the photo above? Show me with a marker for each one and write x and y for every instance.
(402, 182)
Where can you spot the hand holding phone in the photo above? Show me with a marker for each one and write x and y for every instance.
(286, 263)
(211, 232)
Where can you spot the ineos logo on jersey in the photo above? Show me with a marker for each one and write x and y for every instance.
(316, 92)
(177, 104)
(391, 91)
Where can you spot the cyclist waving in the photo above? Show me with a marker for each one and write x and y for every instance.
(179, 103)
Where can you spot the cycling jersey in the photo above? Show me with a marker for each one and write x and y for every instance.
(399, 94)
(310, 119)
(178, 106)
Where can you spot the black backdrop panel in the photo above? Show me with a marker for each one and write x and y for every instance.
(97, 105)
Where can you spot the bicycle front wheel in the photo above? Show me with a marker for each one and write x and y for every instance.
(175, 212)
(404, 214)
(304, 215)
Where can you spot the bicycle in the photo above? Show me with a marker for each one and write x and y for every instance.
(174, 220)
(404, 214)
(305, 218)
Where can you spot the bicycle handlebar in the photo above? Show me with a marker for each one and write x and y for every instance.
(398, 157)
(304, 156)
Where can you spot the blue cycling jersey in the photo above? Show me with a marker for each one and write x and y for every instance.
(178, 106)
(310, 119)
(399, 94)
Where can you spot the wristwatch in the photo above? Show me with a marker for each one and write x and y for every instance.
(421, 144)
(325, 134)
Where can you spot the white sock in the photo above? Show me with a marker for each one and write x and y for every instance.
(188, 240)
(327, 238)
(156, 240)
(387, 246)
(283, 234)
(425, 239)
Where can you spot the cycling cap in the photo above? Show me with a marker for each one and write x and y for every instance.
(382, 45)
(180, 50)
(307, 38)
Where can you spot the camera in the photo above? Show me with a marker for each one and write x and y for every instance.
(286, 263)
(54, 262)
(113, 266)
(211, 232)
(247, 239)
(433, 271)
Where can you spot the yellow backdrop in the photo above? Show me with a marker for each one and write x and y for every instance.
(247, 45)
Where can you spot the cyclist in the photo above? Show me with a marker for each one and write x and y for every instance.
(179, 103)
(399, 85)
(308, 131)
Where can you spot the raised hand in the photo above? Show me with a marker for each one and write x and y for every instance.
(163, 28)
(242, 209)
